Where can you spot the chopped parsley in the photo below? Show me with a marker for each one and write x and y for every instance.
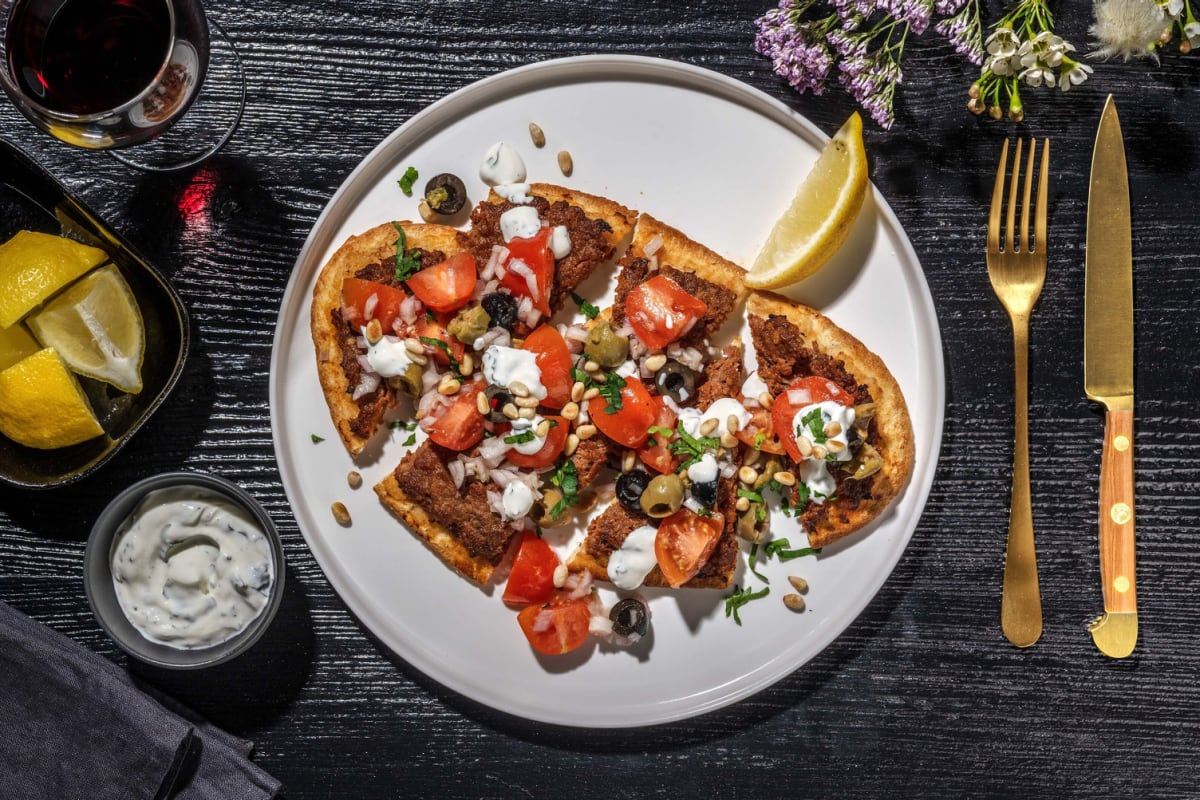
(399, 423)
(610, 390)
(692, 448)
(587, 309)
(660, 430)
(815, 422)
(580, 376)
(317, 439)
(759, 438)
(406, 263)
(739, 598)
(407, 180)
(411, 440)
(781, 549)
(520, 438)
(750, 561)
(567, 481)
(445, 348)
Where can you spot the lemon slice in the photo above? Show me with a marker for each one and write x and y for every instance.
(42, 406)
(16, 343)
(34, 266)
(96, 327)
(820, 216)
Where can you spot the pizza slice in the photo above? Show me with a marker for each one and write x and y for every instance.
(359, 283)
(838, 419)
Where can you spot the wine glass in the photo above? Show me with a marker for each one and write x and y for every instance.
(154, 82)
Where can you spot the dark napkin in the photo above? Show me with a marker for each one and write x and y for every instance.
(74, 725)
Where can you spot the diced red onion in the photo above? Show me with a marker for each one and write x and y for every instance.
(367, 384)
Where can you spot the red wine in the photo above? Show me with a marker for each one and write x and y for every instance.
(87, 56)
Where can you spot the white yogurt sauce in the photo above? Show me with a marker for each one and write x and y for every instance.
(514, 192)
(501, 164)
(190, 569)
(389, 357)
(520, 222)
(516, 500)
(503, 366)
(560, 242)
(705, 470)
(629, 565)
(813, 472)
(754, 387)
(522, 426)
(693, 420)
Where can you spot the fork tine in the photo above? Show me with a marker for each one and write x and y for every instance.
(1028, 191)
(1039, 232)
(993, 234)
(1011, 219)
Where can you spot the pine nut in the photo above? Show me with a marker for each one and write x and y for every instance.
(766, 401)
(373, 332)
(835, 446)
(728, 441)
(448, 386)
(804, 445)
(743, 504)
(794, 601)
(585, 431)
(752, 456)
(591, 366)
(709, 426)
(590, 393)
(785, 478)
(518, 389)
(832, 429)
(560, 576)
(656, 362)
(798, 583)
(466, 364)
(543, 429)
(571, 445)
(341, 513)
(354, 478)
(538, 136)
(482, 404)
(599, 377)
(747, 475)
(566, 163)
(732, 423)
(418, 358)
(577, 391)
(570, 411)
(526, 413)
(629, 461)
(426, 212)
(509, 411)
(414, 347)
(819, 452)
(526, 402)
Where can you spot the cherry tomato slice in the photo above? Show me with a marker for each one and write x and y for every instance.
(556, 439)
(629, 425)
(658, 456)
(458, 426)
(660, 311)
(446, 286)
(762, 425)
(556, 628)
(554, 361)
(684, 542)
(435, 328)
(356, 294)
(532, 577)
(535, 253)
(801, 393)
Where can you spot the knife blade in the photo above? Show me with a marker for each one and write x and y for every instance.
(1108, 379)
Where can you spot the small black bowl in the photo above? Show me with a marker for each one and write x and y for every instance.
(102, 596)
(31, 199)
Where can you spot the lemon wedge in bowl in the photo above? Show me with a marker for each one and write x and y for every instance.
(821, 215)
(42, 406)
(16, 342)
(34, 266)
(96, 327)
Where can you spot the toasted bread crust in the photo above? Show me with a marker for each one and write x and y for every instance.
(618, 217)
(679, 250)
(371, 247)
(891, 421)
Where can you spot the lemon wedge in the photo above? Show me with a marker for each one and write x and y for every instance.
(96, 327)
(821, 215)
(42, 406)
(16, 343)
(34, 266)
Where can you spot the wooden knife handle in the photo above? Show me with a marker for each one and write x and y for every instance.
(1116, 514)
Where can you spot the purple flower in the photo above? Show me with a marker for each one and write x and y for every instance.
(797, 50)
(964, 36)
(917, 13)
(947, 7)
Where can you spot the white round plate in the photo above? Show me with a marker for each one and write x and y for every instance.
(718, 160)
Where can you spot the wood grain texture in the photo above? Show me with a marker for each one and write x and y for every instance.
(922, 696)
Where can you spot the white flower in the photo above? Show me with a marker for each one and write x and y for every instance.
(1128, 28)
(1003, 65)
(1073, 74)
(1036, 75)
(1003, 43)
(1192, 32)
(1045, 48)
(1172, 8)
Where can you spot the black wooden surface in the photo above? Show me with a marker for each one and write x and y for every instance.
(921, 696)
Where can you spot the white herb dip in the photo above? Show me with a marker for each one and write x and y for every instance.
(190, 568)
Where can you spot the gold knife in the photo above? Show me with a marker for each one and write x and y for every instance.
(1108, 379)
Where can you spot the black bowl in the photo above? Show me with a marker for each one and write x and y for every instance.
(31, 199)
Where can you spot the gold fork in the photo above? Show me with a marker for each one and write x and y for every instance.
(1017, 270)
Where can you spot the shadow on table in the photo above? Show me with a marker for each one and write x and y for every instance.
(253, 689)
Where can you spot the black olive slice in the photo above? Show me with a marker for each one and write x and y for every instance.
(502, 308)
(705, 493)
(630, 486)
(676, 381)
(497, 398)
(445, 194)
(630, 616)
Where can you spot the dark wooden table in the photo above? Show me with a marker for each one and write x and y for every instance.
(921, 696)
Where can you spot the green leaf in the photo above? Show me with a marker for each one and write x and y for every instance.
(740, 597)
(566, 478)
(781, 549)
(815, 422)
(317, 439)
(407, 180)
(445, 348)
(411, 440)
(520, 438)
(751, 559)
(406, 264)
(692, 448)
(587, 309)
(610, 390)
